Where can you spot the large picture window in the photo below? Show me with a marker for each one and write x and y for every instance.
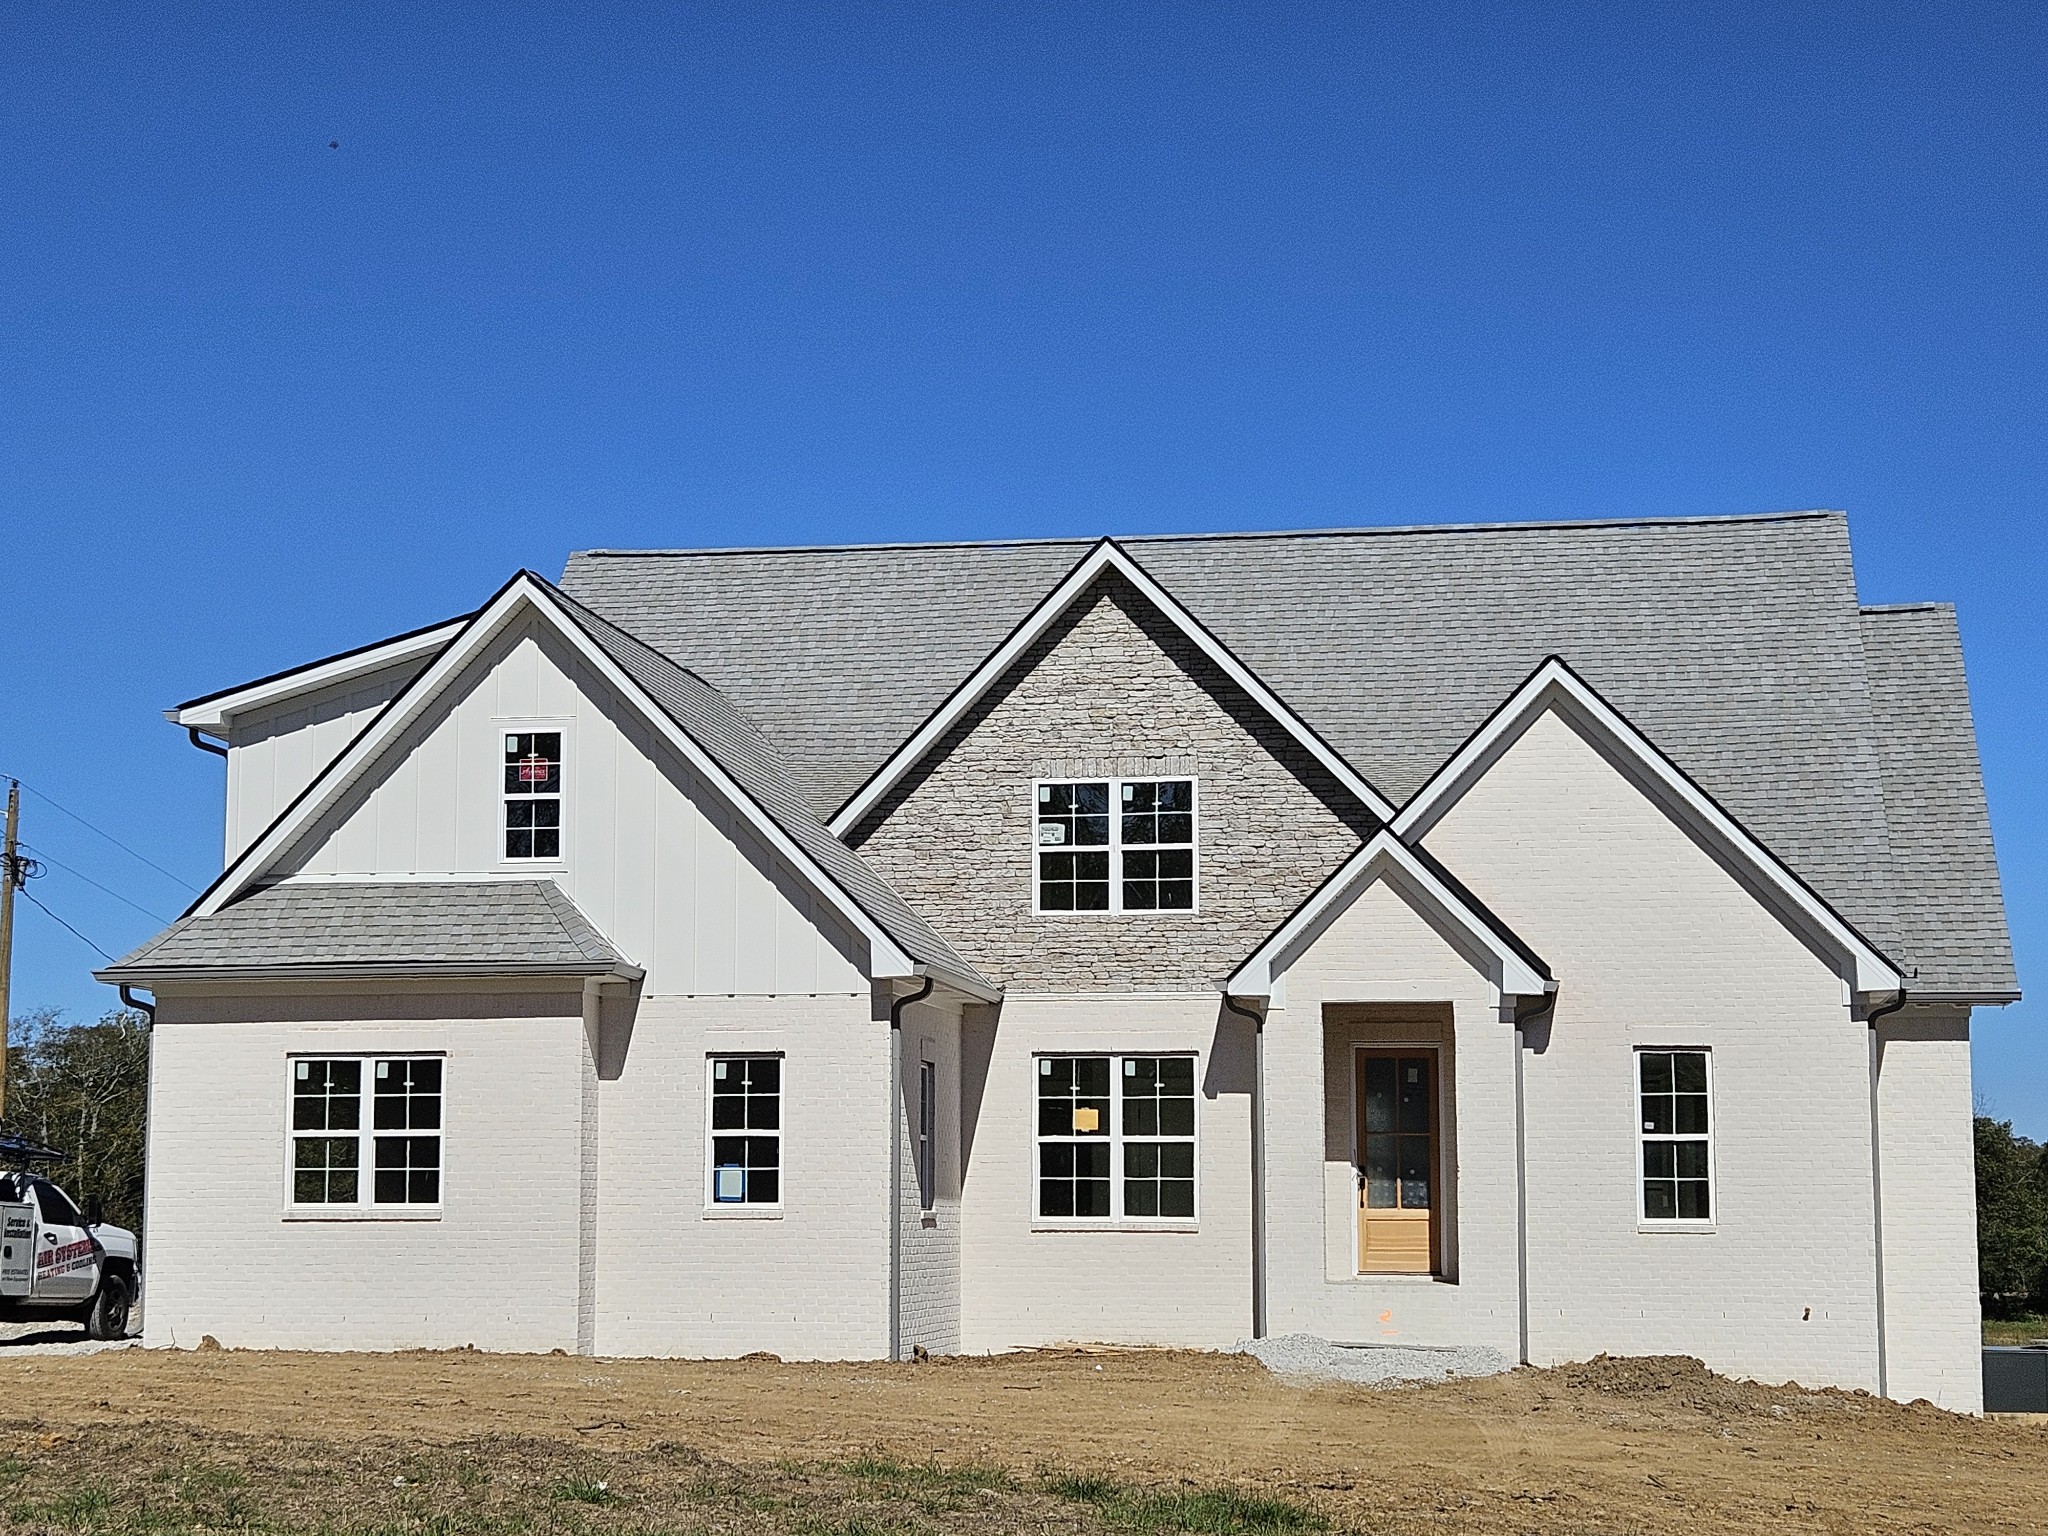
(1676, 1135)
(533, 794)
(1116, 845)
(1116, 1138)
(746, 1130)
(401, 1166)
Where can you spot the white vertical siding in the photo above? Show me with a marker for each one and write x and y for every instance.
(274, 753)
(652, 855)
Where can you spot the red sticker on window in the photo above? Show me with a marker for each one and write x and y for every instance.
(533, 769)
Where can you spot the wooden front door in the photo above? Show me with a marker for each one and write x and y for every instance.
(1397, 1162)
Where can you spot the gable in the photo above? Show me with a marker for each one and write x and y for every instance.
(1554, 697)
(1112, 689)
(662, 867)
(1639, 914)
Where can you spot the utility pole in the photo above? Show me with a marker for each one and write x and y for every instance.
(10, 876)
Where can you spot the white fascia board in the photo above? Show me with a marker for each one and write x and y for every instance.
(211, 714)
(1554, 685)
(1384, 854)
(1106, 556)
(886, 957)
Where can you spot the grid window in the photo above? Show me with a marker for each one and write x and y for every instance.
(1140, 859)
(746, 1130)
(927, 1135)
(533, 794)
(1676, 1137)
(1116, 1138)
(328, 1155)
(406, 1097)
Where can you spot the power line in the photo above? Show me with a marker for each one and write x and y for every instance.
(152, 863)
(88, 879)
(53, 917)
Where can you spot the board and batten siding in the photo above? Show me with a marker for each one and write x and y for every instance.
(274, 753)
(653, 856)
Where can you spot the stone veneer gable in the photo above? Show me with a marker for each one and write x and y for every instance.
(1113, 688)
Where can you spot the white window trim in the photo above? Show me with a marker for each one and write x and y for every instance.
(514, 725)
(1115, 1221)
(365, 1207)
(1645, 1222)
(754, 1210)
(1115, 846)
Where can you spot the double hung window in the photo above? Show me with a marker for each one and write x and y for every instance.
(1676, 1136)
(746, 1130)
(1116, 1138)
(533, 794)
(402, 1164)
(1116, 845)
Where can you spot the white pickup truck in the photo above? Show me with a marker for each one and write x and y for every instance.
(58, 1264)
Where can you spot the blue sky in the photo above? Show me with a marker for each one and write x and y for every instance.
(716, 274)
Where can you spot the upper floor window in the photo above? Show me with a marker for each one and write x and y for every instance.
(1116, 845)
(533, 794)
(1676, 1137)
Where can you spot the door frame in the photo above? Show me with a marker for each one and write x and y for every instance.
(1438, 1188)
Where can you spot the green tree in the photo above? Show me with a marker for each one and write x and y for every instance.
(83, 1089)
(2012, 1218)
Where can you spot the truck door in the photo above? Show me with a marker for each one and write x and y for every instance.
(17, 1241)
(67, 1259)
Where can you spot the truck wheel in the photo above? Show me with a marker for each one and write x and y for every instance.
(108, 1318)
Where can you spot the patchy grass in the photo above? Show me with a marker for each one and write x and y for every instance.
(2015, 1330)
(1206, 1511)
(108, 1481)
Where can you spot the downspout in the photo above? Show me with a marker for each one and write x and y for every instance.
(1877, 1182)
(896, 1164)
(130, 1000)
(1258, 1164)
(1522, 1022)
(203, 744)
(148, 1011)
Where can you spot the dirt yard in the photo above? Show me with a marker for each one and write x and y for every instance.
(135, 1440)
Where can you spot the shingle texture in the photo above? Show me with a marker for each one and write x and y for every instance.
(1951, 915)
(511, 925)
(1736, 645)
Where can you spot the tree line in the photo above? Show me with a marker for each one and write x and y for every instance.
(2012, 1221)
(82, 1088)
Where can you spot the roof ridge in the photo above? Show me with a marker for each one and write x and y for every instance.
(1394, 530)
(1928, 605)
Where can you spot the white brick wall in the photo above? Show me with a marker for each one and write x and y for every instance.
(1022, 1287)
(1933, 1329)
(1408, 978)
(931, 1239)
(1655, 944)
(811, 1283)
(498, 1269)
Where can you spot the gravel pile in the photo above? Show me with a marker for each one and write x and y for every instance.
(1303, 1355)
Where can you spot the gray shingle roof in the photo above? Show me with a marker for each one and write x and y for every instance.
(1735, 644)
(1951, 913)
(737, 745)
(499, 927)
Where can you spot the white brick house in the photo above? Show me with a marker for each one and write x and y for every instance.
(1561, 938)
